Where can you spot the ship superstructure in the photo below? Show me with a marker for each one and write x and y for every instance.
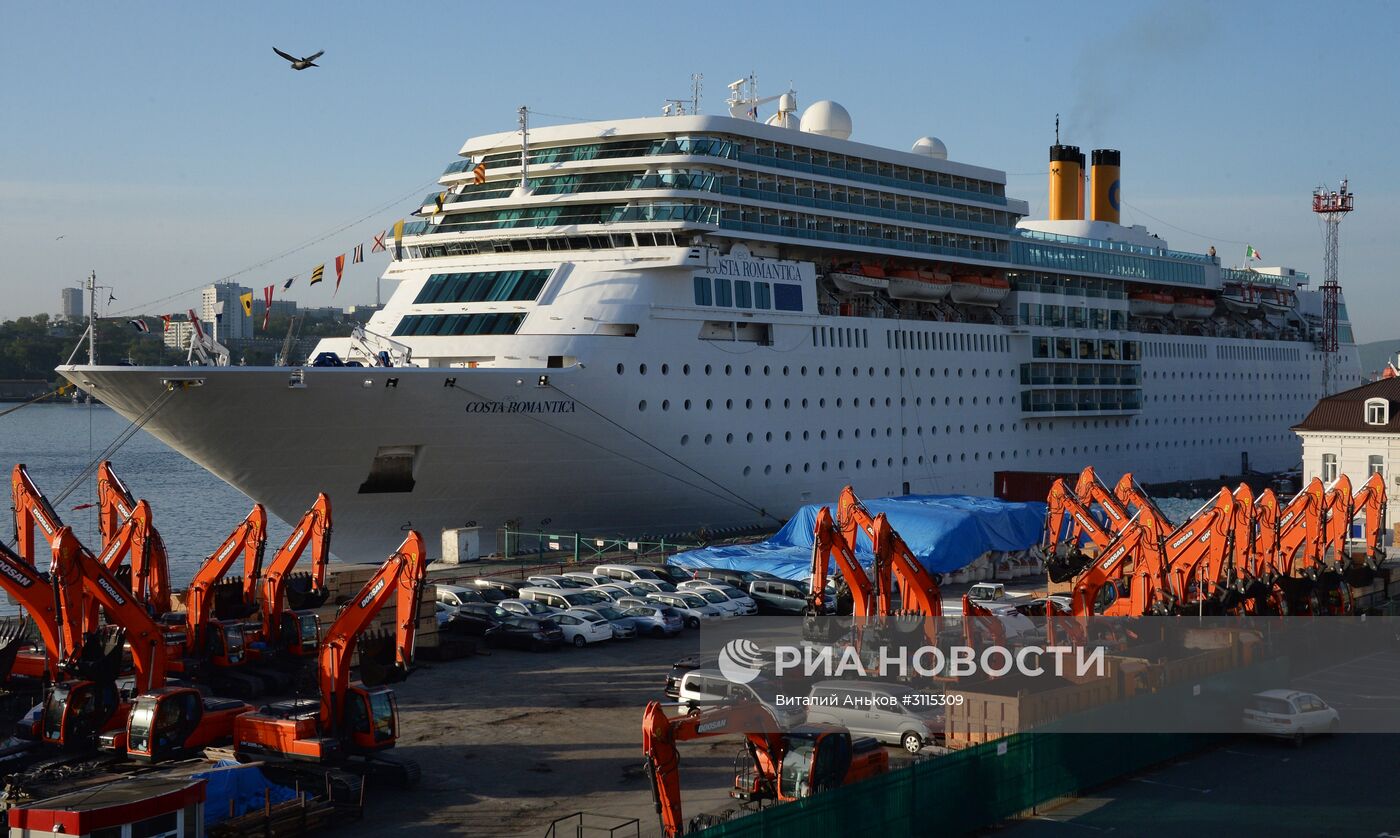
(659, 324)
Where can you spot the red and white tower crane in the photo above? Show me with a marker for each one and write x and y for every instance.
(1331, 207)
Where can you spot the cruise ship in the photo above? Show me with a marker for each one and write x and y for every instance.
(667, 324)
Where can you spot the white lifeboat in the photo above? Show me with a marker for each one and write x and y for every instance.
(979, 290)
(859, 278)
(1193, 308)
(919, 285)
(1150, 304)
(1278, 300)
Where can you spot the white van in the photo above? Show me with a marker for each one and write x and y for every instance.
(885, 711)
(563, 599)
(702, 688)
(628, 572)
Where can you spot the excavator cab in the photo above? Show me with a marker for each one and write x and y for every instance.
(372, 718)
(814, 762)
(301, 633)
(77, 711)
(226, 643)
(176, 722)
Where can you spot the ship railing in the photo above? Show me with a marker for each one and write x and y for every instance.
(576, 548)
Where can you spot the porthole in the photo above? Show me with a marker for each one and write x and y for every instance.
(687, 404)
(728, 370)
(685, 370)
(748, 404)
(709, 438)
(747, 469)
(642, 405)
(665, 404)
(619, 369)
(665, 369)
(685, 439)
(642, 369)
(767, 469)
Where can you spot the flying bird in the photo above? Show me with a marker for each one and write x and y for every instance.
(300, 63)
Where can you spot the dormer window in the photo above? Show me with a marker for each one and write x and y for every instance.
(1377, 411)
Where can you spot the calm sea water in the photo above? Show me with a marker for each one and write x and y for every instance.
(193, 510)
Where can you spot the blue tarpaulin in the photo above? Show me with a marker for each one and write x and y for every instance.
(945, 533)
(245, 785)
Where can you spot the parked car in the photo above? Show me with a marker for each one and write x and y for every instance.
(555, 581)
(477, 619)
(1036, 607)
(655, 619)
(582, 627)
(588, 579)
(778, 597)
(701, 688)
(1289, 714)
(527, 607)
(692, 607)
(671, 573)
(617, 590)
(717, 599)
(530, 633)
(743, 601)
(455, 596)
(623, 626)
(626, 572)
(561, 599)
(874, 709)
(737, 578)
(653, 586)
(511, 587)
(444, 614)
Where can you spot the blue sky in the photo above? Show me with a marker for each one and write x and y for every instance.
(169, 146)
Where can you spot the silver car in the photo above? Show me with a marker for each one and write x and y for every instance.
(738, 598)
(655, 620)
(623, 626)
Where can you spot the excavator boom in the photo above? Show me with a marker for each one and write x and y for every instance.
(32, 510)
(400, 578)
(150, 562)
(828, 545)
(249, 538)
(314, 530)
(22, 582)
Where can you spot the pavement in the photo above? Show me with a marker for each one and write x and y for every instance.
(1333, 785)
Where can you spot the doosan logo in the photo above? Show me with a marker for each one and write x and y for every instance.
(740, 661)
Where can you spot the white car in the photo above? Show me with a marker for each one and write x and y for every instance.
(654, 586)
(558, 581)
(617, 590)
(716, 598)
(1289, 714)
(583, 627)
(588, 579)
(527, 608)
(745, 602)
(693, 607)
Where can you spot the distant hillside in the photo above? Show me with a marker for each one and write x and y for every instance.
(1376, 354)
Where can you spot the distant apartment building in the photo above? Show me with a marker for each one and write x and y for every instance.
(177, 334)
(71, 304)
(280, 309)
(220, 306)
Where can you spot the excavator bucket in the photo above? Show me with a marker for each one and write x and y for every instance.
(377, 663)
(14, 635)
(302, 594)
(1359, 575)
(1063, 567)
(228, 601)
(100, 659)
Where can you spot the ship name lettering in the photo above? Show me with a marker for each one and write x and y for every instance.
(542, 406)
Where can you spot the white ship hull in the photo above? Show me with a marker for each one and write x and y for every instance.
(607, 465)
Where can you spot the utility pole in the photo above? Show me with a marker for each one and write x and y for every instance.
(92, 319)
(1332, 207)
(524, 148)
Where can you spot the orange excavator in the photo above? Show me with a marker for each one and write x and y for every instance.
(33, 592)
(1198, 554)
(778, 765)
(356, 721)
(919, 593)
(828, 546)
(289, 624)
(1132, 566)
(77, 711)
(1068, 521)
(150, 563)
(32, 512)
(1090, 490)
(1369, 502)
(214, 648)
(1133, 497)
(981, 627)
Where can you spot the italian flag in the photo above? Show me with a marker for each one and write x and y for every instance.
(1251, 253)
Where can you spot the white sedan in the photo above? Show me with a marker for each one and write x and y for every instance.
(693, 607)
(717, 599)
(743, 601)
(1289, 714)
(582, 627)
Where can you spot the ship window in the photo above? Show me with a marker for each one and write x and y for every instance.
(702, 291)
(787, 297)
(482, 286)
(762, 295)
(743, 293)
(723, 293)
(459, 324)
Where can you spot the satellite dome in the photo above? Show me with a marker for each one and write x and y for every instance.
(828, 119)
(930, 147)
